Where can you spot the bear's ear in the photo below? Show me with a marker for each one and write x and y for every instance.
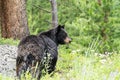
(61, 26)
(58, 29)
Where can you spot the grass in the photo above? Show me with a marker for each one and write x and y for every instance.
(74, 65)
(2, 77)
(8, 41)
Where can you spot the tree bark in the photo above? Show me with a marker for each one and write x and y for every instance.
(54, 13)
(0, 13)
(13, 19)
(99, 2)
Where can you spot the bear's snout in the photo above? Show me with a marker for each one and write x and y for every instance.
(68, 40)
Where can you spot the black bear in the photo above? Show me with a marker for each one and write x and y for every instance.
(34, 52)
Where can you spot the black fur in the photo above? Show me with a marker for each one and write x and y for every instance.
(41, 50)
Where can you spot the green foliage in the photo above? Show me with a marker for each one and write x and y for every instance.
(94, 28)
(88, 20)
(74, 66)
(8, 41)
(2, 77)
(85, 21)
(37, 17)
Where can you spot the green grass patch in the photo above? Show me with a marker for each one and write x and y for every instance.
(75, 66)
(3, 77)
(8, 41)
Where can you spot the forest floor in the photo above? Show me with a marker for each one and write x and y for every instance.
(70, 66)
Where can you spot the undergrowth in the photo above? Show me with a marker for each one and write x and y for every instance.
(8, 41)
(72, 65)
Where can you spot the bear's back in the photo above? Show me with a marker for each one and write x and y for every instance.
(31, 45)
(50, 45)
(36, 45)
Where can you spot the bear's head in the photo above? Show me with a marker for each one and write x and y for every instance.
(62, 36)
(58, 35)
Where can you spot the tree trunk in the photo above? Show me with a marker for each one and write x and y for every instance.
(0, 14)
(13, 19)
(54, 13)
(103, 31)
(99, 2)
